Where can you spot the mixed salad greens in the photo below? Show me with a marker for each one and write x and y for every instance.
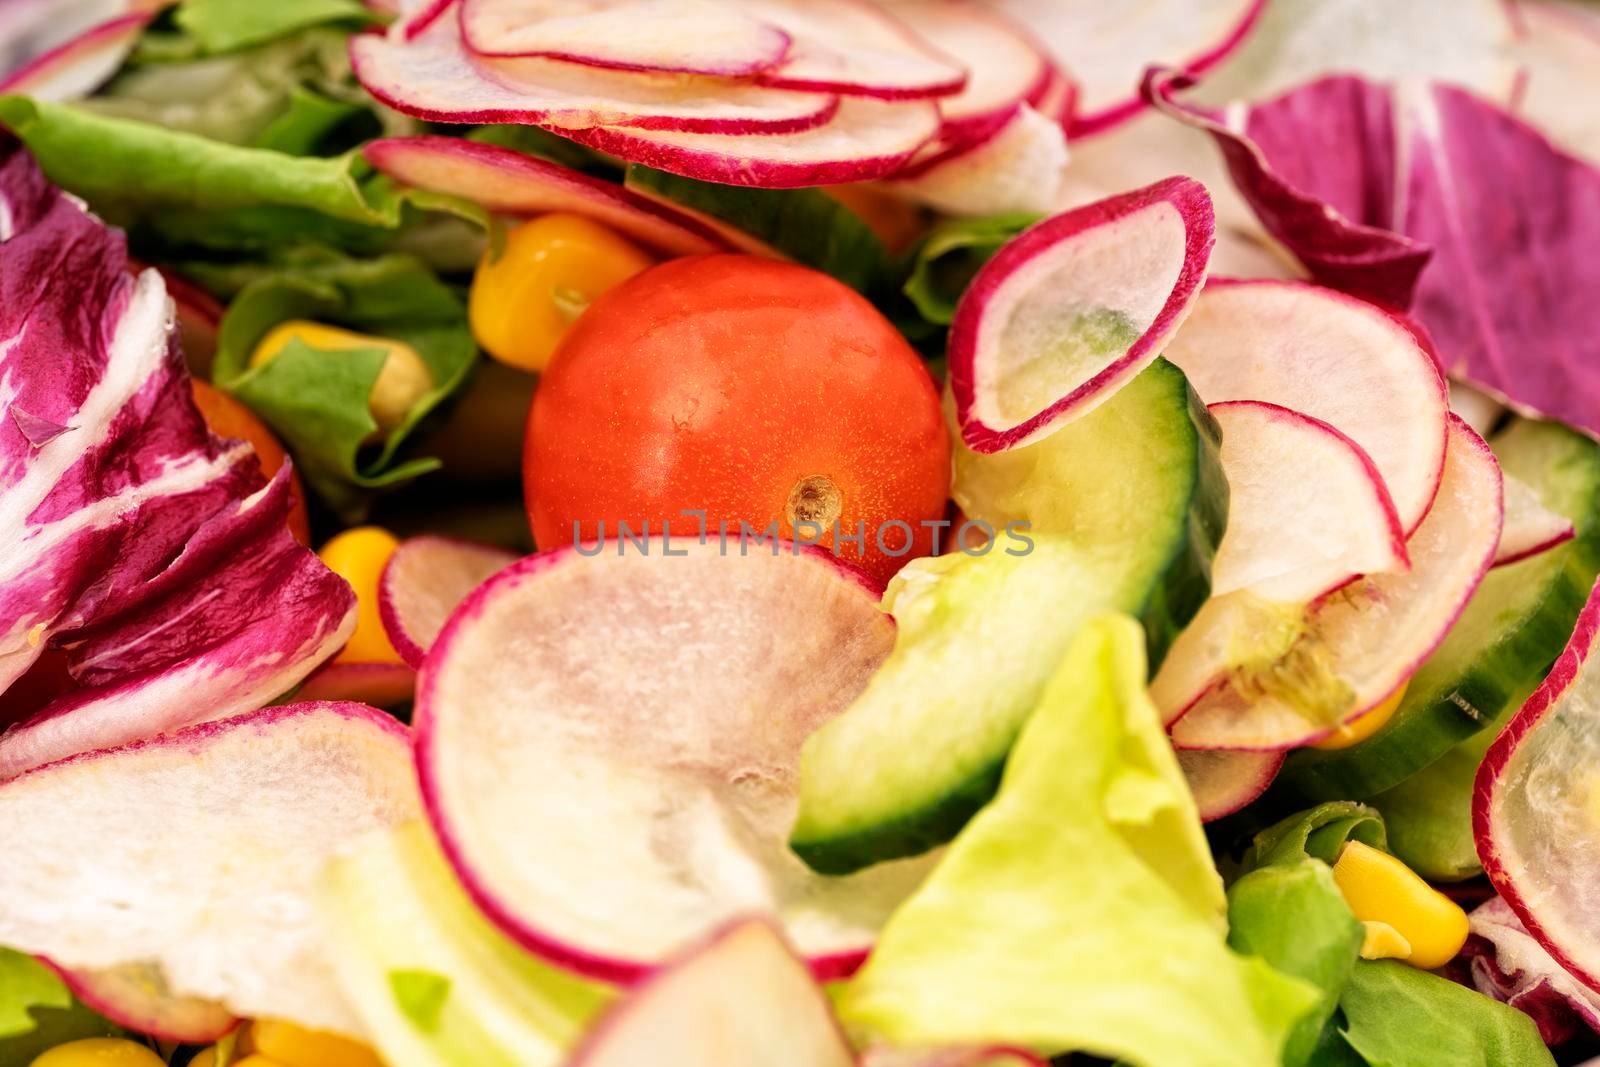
(848, 533)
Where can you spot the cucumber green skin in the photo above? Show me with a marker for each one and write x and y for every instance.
(1163, 584)
(1184, 584)
(1499, 650)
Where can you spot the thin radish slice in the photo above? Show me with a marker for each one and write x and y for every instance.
(1533, 806)
(424, 581)
(1105, 47)
(865, 141)
(1307, 510)
(741, 998)
(1477, 409)
(1018, 168)
(432, 76)
(856, 48)
(1224, 782)
(1060, 96)
(708, 672)
(1332, 357)
(1244, 677)
(1531, 528)
(996, 1056)
(684, 37)
(1558, 48)
(512, 183)
(383, 685)
(1466, 42)
(136, 997)
(1073, 308)
(197, 855)
(1006, 67)
(78, 67)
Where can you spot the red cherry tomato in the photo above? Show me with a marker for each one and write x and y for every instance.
(753, 390)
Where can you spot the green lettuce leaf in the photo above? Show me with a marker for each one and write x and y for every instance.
(317, 400)
(1318, 833)
(228, 25)
(37, 1012)
(120, 165)
(250, 97)
(1080, 907)
(945, 261)
(1398, 1016)
(806, 225)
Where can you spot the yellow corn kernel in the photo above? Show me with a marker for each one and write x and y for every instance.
(550, 269)
(1383, 942)
(1381, 889)
(295, 1046)
(403, 381)
(255, 1059)
(99, 1052)
(358, 556)
(1364, 727)
(206, 1057)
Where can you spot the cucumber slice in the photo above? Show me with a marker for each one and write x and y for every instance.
(1141, 476)
(1126, 507)
(1502, 646)
(433, 981)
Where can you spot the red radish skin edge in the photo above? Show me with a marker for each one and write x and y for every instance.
(190, 736)
(1193, 204)
(1422, 657)
(1107, 118)
(426, 17)
(826, 968)
(1565, 672)
(663, 973)
(1539, 549)
(767, 173)
(659, 225)
(776, 80)
(84, 992)
(1244, 791)
(1397, 535)
(110, 30)
(1418, 332)
(584, 60)
(393, 625)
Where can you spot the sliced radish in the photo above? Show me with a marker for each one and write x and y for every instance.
(81, 65)
(1477, 408)
(1531, 528)
(856, 48)
(1223, 782)
(706, 672)
(1534, 806)
(1105, 47)
(1307, 510)
(1017, 168)
(136, 996)
(1073, 308)
(432, 76)
(383, 685)
(1332, 357)
(996, 1056)
(424, 581)
(1257, 677)
(865, 141)
(1006, 67)
(512, 183)
(1467, 42)
(741, 998)
(685, 37)
(1558, 46)
(196, 856)
(1510, 966)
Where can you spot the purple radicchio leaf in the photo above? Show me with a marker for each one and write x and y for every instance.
(1430, 199)
(1510, 966)
(150, 551)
